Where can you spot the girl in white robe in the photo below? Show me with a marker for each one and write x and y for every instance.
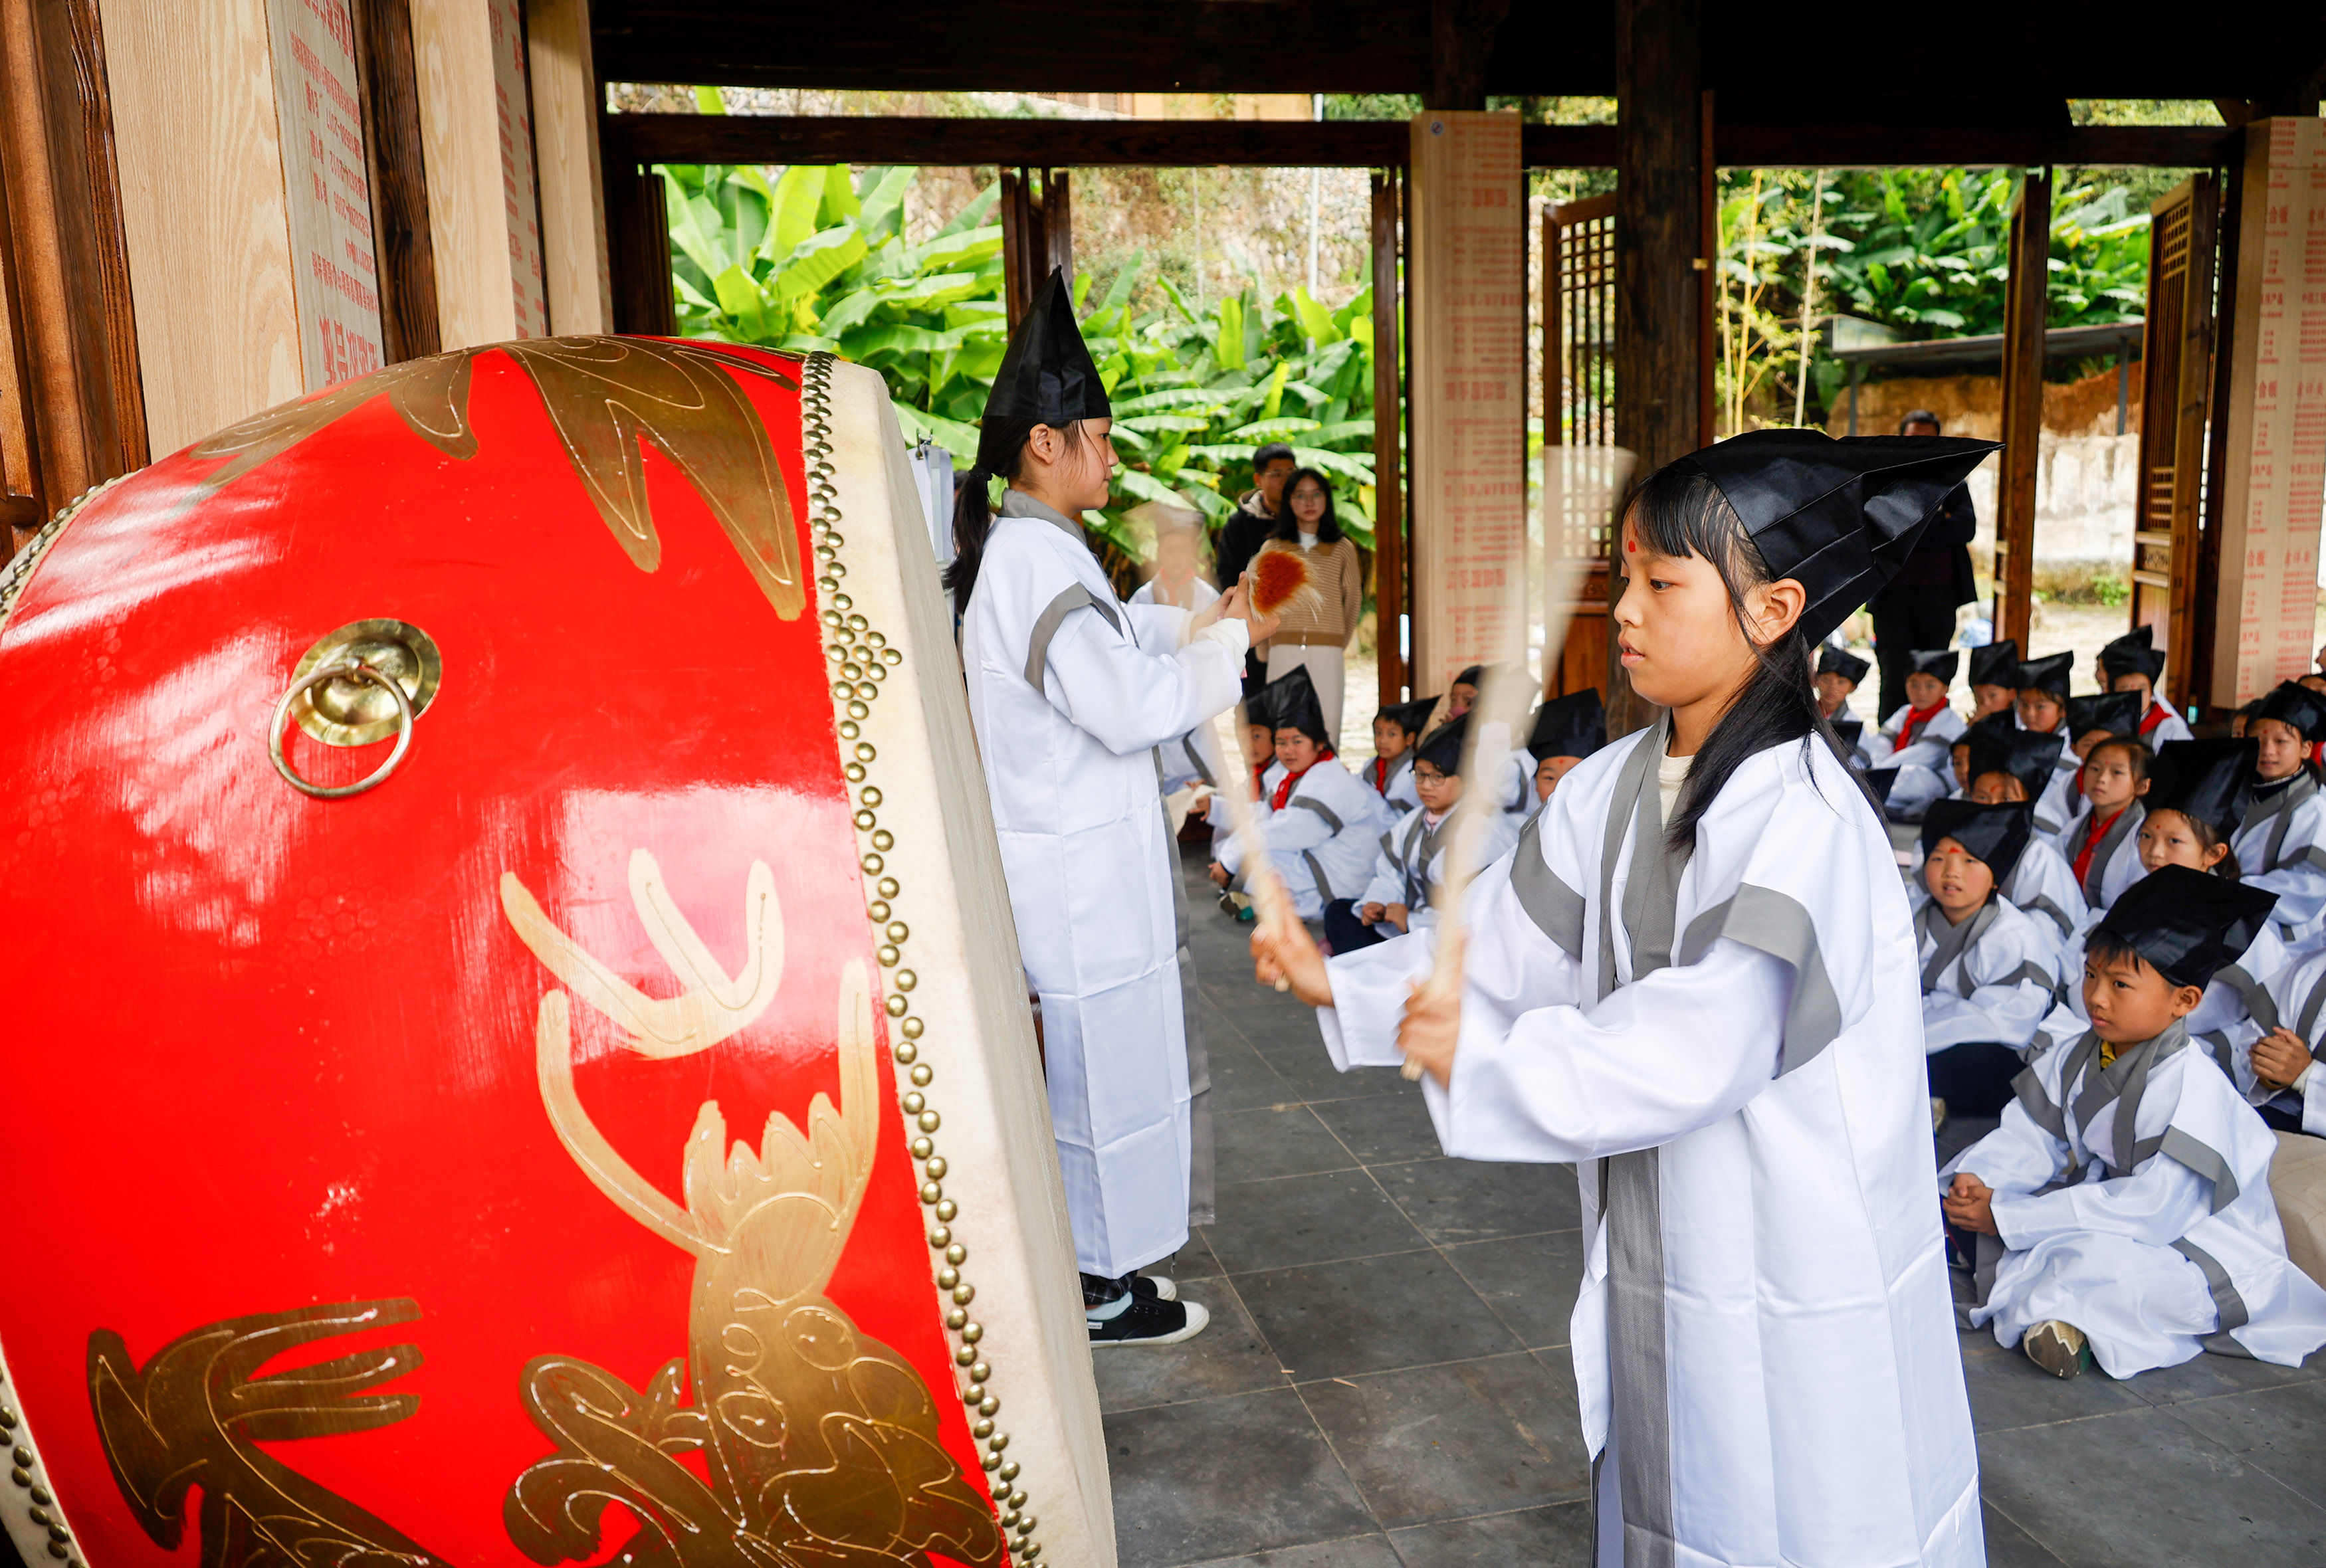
(2133, 663)
(1695, 978)
(1070, 693)
(1320, 824)
(2282, 842)
(2102, 845)
(2124, 1205)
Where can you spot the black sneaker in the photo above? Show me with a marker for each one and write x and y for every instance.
(1153, 1286)
(1149, 1322)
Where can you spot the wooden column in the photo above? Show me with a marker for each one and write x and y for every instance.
(565, 100)
(1389, 476)
(2023, 407)
(2274, 481)
(2176, 374)
(2209, 617)
(393, 148)
(1659, 355)
(1037, 234)
(476, 125)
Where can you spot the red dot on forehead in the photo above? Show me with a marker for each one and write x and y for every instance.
(1630, 545)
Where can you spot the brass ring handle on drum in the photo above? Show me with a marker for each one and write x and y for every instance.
(355, 669)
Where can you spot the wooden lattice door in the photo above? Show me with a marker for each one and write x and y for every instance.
(1578, 403)
(2176, 379)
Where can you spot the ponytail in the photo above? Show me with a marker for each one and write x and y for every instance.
(1001, 445)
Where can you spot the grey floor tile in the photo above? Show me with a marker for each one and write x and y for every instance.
(1356, 1552)
(1552, 1537)
(1342, 1320)
(1530, 1281)
(1225, 1477)
(1228, 1357)
(1454, 1201)
(1313, 1076)
(2140, 1489)
(2009, 1547)
(2204, 1377)
(2282, 1430)
(1461, 1438)
(2007, 1390)
(1241, 1080)
(1383, 1129)
(1297, 1219)
(1283, 1140)
(1193, 1261)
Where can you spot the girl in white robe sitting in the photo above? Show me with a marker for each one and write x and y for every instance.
(1988, 971)
(2133, 663)
(1695, 978)
(2122, 1211)
(1412, 859)
(2102, 845)
(1915, 739)
(1320, 825)
(2282, 842)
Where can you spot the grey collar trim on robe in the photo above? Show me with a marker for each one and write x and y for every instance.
(1070, 598)
(1777, 923)
(1950, 941)
(2308, 1021)
(2281, 806)
(1018, 504)
(1310, 803)
(1556, 909)
(2126, 821)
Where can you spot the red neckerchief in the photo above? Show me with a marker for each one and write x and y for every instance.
(1380, 776)
(2095, 830)
(2157, 714)
(1915, 718)
(1284, 785)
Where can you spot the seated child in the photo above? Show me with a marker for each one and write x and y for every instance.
(2122, 1211)
(2102, 845)
(1988, 971)
(1412, 856)
(2042, 705)
(2008, 764)
(2282, 842)
(1958, 766)
(1915, 740)
(2279, 1072)
(1838, 673)
(1318, 822)
(2131, 664)
(1567, 729)
(1994, 678)
(1396, 726)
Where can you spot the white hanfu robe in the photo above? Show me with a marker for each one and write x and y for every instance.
(1927, 748)
(2278, 847)
(2056, 807)
(2115, 864)
(1396, 789)
(2235, 1011)
(1071, 691)
(1914, 791)
(2160, 724)
(2132, 1201)
(1991, 979)
(2296, 999)
(1321, 841)
(1412, 861)
(1725, 1041)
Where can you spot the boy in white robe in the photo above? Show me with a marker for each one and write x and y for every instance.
(1917, 738)
(2279, 1073)
(1994, 679)
(1397, 729)
(2102, 844)
(1839, 672)
(2006, 764)
(2133, 663)
(1567, 729)
(2122, 1211)
(1988, 971)
(2042, 706)
(1694, 978)
(1320, 824)
(1412, 863)
(2282, 842)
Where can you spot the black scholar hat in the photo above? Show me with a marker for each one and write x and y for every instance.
(1443, 749)
(1941, 663)
(1996, 835)
(1291, 704)
(2188, 923)
(2133, 653)
(2113, 713)
(2049, 673)
(1841, 661)
(1839, 516)
(1409, 716)
(2290, 703)
(2030, 756)
(1575, 725)
(1995, 664)
(2208, 781)
(1847, 730)
(1046, 374)
(1882, 781)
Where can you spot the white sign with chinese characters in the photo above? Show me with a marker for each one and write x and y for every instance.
(327, 188)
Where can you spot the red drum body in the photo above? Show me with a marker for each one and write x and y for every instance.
(405, 1175)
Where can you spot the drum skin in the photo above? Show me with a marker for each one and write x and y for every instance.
(405, 1177)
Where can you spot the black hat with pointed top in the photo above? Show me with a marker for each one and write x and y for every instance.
(1575, 725)
(1939, 664)
(1833, 660)
(2133, 653)
(2292, 702)
(2029, 755)
(1443, 749)
(1046, 374)
(2208, 781)
(2049, 673)
(1409, 716)
(1996, 834)
(1847, 730)
(1291, 704)
(2189, 925)
(1839, 516)
(1995, 664)
(2111, 712)
(1882, 781)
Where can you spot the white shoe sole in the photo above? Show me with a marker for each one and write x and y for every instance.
(1198, 1320)
(1165, 1290)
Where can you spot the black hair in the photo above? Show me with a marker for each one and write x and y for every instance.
(1001, 449)
(1287, 527)
(1915, 416)
(1268, 454)
(2111, 946)
(1678, 512)
(1470, 675)
(2135, 754)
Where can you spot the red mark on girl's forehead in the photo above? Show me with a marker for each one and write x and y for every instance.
(1630, 545)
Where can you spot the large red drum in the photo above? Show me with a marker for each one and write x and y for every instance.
(516, 1048)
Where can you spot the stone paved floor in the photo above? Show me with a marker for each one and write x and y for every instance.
(1385, 1383)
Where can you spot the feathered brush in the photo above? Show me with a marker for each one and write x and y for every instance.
(1281, 581)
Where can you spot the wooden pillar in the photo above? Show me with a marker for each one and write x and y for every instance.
(2207, 616)
(2176, 380)
(1037, 234)
(1461, 41)
(2274, 482)
(638, 240)
(476, 125)
(1659, 352)
(1389, 476)
(2023, 407)
(408, 323)
(566, 99)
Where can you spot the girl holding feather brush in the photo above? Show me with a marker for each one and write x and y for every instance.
(1695, 978)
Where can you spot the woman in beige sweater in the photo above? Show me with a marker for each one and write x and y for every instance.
(1316, 635)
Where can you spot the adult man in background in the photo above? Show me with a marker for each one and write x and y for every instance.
(1241, 536)
(1917, 609)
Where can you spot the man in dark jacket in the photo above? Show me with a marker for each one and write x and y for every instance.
(1242, 535)
(1917, 609)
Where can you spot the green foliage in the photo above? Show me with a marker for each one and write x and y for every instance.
(812, 260)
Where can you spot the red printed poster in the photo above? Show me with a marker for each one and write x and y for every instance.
(327, 188)
(519, 203)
